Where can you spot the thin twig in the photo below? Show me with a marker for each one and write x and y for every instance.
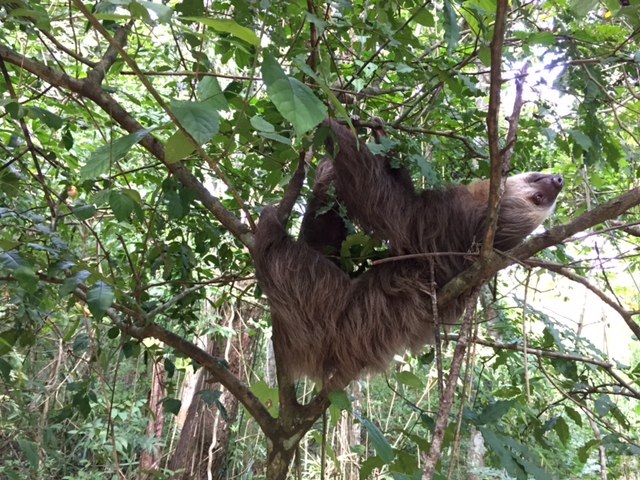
(446, 401)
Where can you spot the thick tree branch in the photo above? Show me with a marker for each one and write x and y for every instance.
(496, 185)
(97, 74)
(484, 268)
(217, 366)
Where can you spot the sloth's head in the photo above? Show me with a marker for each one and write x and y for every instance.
(528, 200)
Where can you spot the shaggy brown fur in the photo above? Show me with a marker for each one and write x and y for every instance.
(330, 327)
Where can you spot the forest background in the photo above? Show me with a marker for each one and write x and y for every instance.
(139, 142)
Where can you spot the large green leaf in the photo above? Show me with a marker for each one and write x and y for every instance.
(30, 450)
(451, 28)
(101, 159)
(70, 283)
(121, 204)
(99, 299)
(228, 26)
(293, 99)
(495, 411)
(210, 94)
(267, 395)
(27, 278)
(13, 260)
(381, 445)
(197, 118)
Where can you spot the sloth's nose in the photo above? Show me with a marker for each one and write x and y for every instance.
(558, 181)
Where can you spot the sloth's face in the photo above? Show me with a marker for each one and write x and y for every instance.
(540, 189)
(528, 200)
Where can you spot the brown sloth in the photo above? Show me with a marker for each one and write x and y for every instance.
(330, 327)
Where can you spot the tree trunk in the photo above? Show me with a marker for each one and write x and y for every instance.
(150, 461)
(477, 449)
(279, 458)
(204, 440)
(349, 433)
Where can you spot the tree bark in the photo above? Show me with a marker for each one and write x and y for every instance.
(150, 461)
(205, 437)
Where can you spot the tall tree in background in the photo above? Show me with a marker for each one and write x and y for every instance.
(138, 142)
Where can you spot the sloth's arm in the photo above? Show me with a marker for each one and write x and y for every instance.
(376, 198)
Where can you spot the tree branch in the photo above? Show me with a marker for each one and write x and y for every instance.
(496, 186)
(295, 186)
(446, 401)
(495, 261)
(217, 366)
(514, 120)
(106, 102)
(565, 272)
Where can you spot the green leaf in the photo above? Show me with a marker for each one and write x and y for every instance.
(27, 278)
(199, 119)
(100, 160)
(497, 446)
(99, 299)
(340, 399)
(542, 38)
(13, 260)
(190, 7)
(382, 447)
(573, 415)
(227, 26)
(51, 120)
(171, 405)
(209, 396)
(585, 450)
(84, 212)
(177, 147)
(261, 124)
(581, 139)
(131, 349)
(210, 94)
(70, 283)
(30, 450)
(582, 7)
(562, 429)
(267, 130)
(451, 27)
(8, 339)
(121, 204)
(369, 465)
(495, 411)
(293, 99)
(5, 370)
(10, 183)
(163, 12)
(81, 343)
(267, 395)
(409, 379)
(603, 405)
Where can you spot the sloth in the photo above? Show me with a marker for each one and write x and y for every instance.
(332, 328)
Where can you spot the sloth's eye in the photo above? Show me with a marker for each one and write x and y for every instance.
(537, 198)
